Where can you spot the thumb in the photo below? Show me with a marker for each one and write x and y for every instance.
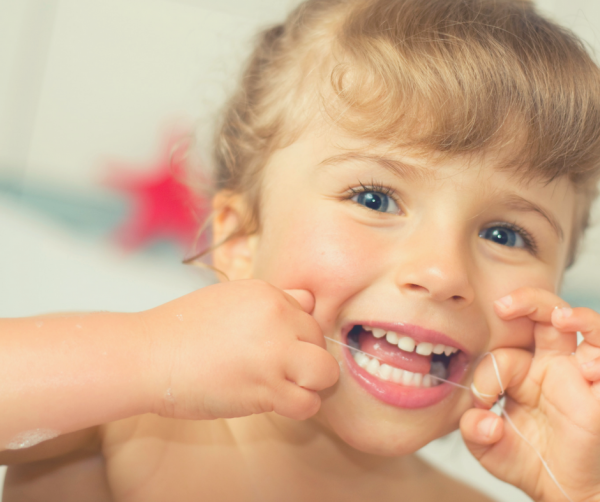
(481, 430)
(303, 297)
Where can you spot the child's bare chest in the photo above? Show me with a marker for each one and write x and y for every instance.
(151, 459)
(160, 460)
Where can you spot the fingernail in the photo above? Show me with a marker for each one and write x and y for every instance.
(487, 426)
(564, 313)
(506, 301)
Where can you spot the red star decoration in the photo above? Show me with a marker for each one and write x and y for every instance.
(163, 207)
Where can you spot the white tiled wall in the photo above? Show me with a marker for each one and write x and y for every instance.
(82, 81)
(99, 77)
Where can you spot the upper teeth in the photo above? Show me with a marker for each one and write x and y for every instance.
(407, 344)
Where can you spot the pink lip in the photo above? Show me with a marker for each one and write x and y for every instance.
(399, 395)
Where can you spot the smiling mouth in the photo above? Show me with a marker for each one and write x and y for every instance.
(395, 357)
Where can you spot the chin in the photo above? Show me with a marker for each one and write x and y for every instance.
(380, 429)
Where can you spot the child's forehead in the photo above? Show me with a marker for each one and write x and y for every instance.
(330, 147)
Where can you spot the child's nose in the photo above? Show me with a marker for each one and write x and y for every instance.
(438, 269)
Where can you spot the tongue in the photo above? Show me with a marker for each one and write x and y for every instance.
(392, 355)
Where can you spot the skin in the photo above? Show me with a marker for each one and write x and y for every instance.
(427, 266)
(254, 347)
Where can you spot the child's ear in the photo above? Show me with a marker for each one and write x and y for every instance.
(234, 256)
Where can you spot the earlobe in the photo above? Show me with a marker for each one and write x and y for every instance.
(234, 248)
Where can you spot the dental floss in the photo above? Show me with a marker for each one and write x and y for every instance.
(550, 473)
(379, 359)
(480, 395)
(497, 370)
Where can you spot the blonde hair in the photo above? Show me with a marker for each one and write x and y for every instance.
(458, 77)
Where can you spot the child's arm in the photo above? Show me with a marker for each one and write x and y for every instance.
(553, 399)
(60, 374)
(227, 350)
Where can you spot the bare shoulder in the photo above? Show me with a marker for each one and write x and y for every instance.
(79, 474)
(159, 458)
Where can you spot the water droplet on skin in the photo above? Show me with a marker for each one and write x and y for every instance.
(169, 396)
(28, 439)
(39, 324)
(179, 316)
(78, 326)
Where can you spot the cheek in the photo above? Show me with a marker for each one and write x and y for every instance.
(326, 256)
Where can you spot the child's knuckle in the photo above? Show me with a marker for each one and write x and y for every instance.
(265, 399)
(271, 307)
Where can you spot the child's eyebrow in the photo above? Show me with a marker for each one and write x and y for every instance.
(397, 167)
(408, 171)
(518, 203)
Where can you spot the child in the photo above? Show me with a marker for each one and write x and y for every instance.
(407, 177)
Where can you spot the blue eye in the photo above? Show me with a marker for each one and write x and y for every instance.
(504, 236)
(377, 201)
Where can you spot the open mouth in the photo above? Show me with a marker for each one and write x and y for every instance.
(401, 369)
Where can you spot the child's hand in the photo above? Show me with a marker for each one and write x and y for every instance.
(239, 348)
(553, 398)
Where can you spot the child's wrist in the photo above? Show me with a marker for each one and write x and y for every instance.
(157, 361)
(138, 362)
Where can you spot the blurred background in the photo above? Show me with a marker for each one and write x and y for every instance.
(90, 88)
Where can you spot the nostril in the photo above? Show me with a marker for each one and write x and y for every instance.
(416, 287)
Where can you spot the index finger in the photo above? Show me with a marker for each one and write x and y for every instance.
(584, 320)
(535, 303)
(538, 305)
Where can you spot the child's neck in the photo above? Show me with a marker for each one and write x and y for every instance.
(294, 451)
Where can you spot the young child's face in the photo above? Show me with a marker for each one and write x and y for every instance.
(413, 246)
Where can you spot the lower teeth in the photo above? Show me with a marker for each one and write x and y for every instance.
(404, 377)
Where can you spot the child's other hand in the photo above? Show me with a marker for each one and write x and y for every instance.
(553, 398)
(240, 348)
